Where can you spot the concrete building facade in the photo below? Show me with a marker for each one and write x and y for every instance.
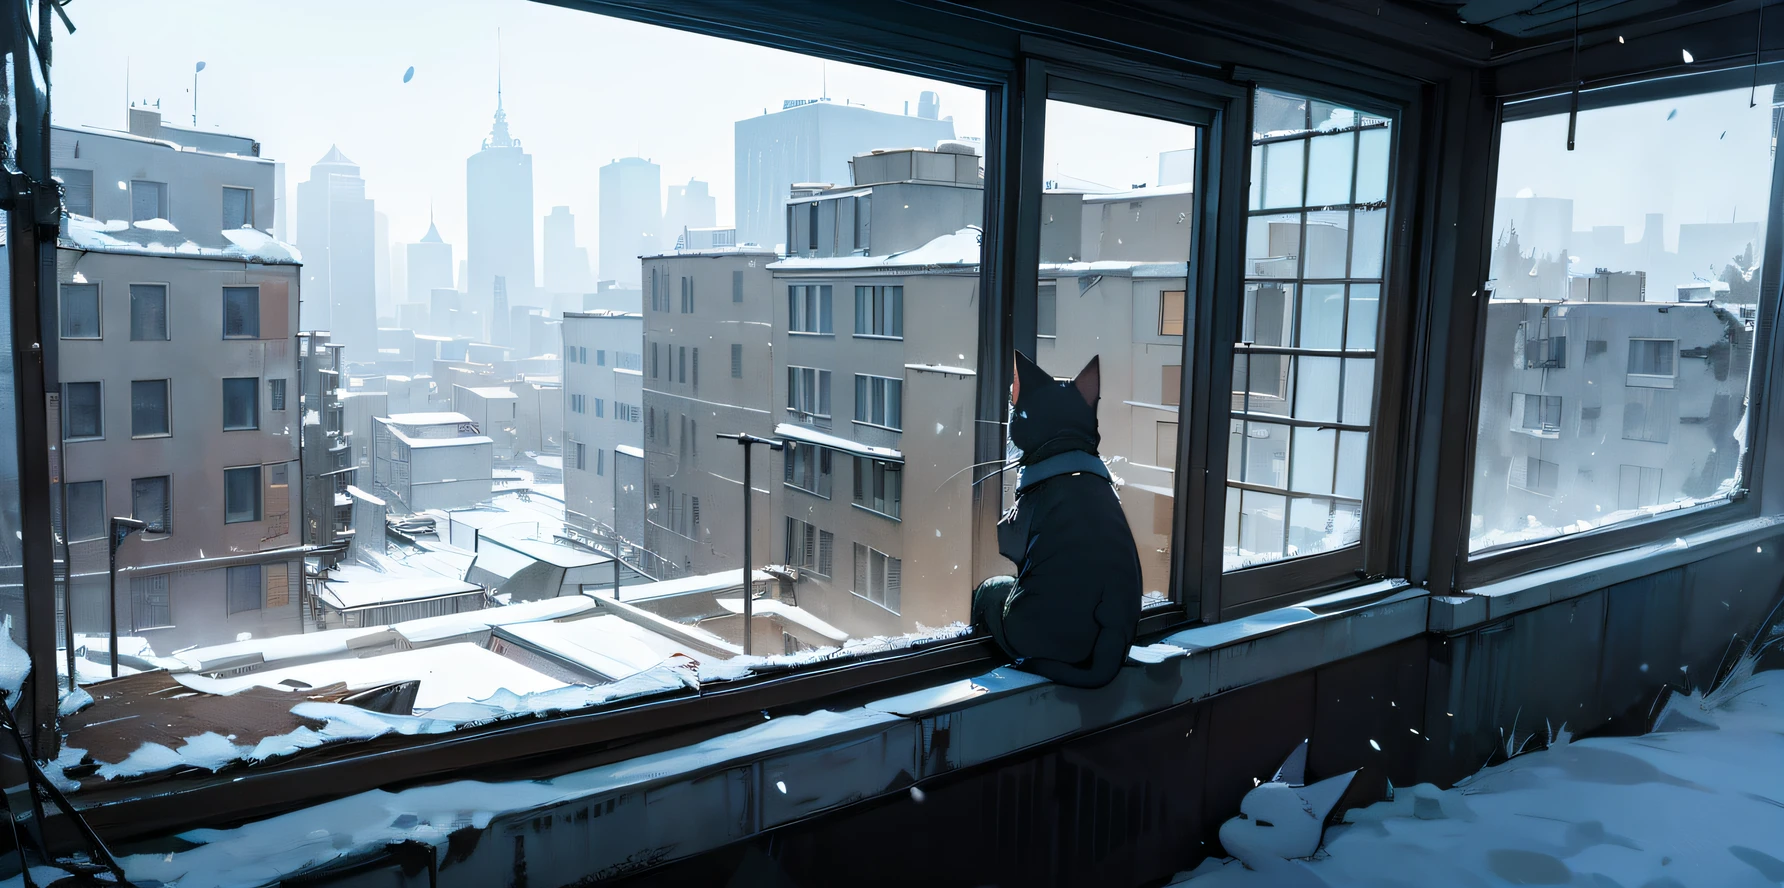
(631, 216)
(336, 231)
(601, 409)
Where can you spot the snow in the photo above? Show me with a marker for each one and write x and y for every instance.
(82, 233)
(943, 368)
(606, 645)
(155, 225)
(744, 666)
(1679, 809)
(305, 646)
(15, 663)
(812, 436)
(374, 589)
(959, 249)
(688, 585)
(769, 607)
(449, 673)
(428, 630)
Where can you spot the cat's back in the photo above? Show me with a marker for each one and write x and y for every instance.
(1079, 517)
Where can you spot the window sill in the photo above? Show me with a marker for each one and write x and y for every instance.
(1642, 380)
(242, 429)
(1539, 433)
(875, 425)
(791, 486)
(812, 333)
(872, 511)
(872, 602)
(82, 338)
(82, 440)
(154, 436)
(879, 336)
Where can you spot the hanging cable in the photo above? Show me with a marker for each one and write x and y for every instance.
(1573, 111)
(1758, 47)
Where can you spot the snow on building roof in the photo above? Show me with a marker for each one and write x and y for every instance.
(622, 371)
(769, 607)
(712, 582)
(449, 673)
(629, 450)
(490, 391)
(1116, 267)
(957, 250)
(285, 648)
(353, 491)
(1179, 188)
(443, 417)
(362, 591)
(555, 554)
(425, 443)
(811, 436)
(428, 630)
(245, 245)
(605, 645)
(942, 368)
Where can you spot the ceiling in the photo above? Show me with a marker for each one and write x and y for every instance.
(1540, 21)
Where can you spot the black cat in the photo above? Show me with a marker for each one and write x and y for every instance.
(1071, 611)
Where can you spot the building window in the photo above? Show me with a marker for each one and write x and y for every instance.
(276, 393)
(1170, 312)
(1638, 487)
(682, 361)
(879, 311)
(241, 404)
(808, 392)
(83, 411)
(1538, 415)
(601, 409)
(687, 295)
(696, 368)
(581, 462)
(737, 286)
(1653, 363)
(655, 365)
(878, 577)
(241, 312)
(808, 309)
(879, 400)
(805, 545)
(148, 312)
(1047, 311)
(244, 588)
(577, 403)
(148, 200)
(1648, 415)
(148, 408)
(736, 360)
(238, 208)
(77, 191)
(86, 511)
(241, 495)
(879, 486)
(808, 468)
(151, 501)
(1170, 385)
(1535, 475)
(600, 461)
(80, 311)
(1304, 363)
(600, 357)
(149, 605)
(1543, 344)
(627, 412)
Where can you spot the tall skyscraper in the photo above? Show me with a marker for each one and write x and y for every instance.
(631, 212)
(499, 217)
(336, 231)
(566, 265)
(812, 140)
(386, 300)
(430, 264)
(687, 206)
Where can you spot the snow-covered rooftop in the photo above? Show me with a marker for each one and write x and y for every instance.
(450, 673)
(429, 630)
(812, 436)
(152, 239)
(606, 645)
(959, 249)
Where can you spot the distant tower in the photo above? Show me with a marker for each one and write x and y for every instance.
(566, 266)
(688, 206)
(430, 264)
(499, 305)
(499, 217)
(631, 212)
(929, 105)
(336, 231)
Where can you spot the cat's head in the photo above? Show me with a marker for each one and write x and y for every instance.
(1051, 416)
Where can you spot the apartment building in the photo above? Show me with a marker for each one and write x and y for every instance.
(709, 370)
(178, 363)
(439, 460)
(1608, 409)
(873, 518)
(601, 410)
(325, 453)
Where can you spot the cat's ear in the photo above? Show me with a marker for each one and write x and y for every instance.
(1028, 375)
(1090, 381)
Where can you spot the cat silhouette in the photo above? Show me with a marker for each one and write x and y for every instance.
(1071, 611)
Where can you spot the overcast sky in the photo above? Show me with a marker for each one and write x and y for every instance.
(579, 89)
(1701, 158)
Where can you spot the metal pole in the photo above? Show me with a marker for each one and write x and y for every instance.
(112, 543)
(748, 563)
(614, 465)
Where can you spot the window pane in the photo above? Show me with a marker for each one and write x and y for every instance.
(77, 190)
(80, 311)
(1303, 301)
(148, 200)
(1614, 248)
(150, 502)
(1127, 197)
(244, 588)
(241, 312)
(241, 494)
(83, 413)
(238, 208)
(241, 404)
(86, 511)
(148, 407)
(1283, 172)
(148, 312)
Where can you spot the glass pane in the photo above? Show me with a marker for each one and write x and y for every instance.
(148, 312)
(1316, 398)
(1283, 171)
(1322, 316)
(1365, 307)
(1329, 169)
(1311, 307)
(1647, 262)
(1313, 460)
(1131, 189)
(1328, 243)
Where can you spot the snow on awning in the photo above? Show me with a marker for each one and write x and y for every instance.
(812, 436)
(451, 673)
(769, 607)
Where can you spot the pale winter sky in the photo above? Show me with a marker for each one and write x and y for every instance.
(579, 89)
(1704, 158)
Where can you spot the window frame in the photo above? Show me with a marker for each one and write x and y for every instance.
(166, 405)
(253, 388)
(252, 215)
(259, 493)
(255, 302)
(166, 322)
(66, 413)
(1500, 563)
(98, 311)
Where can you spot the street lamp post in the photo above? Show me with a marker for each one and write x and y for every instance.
(121, 528)
(749, 567)
(613, 467)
